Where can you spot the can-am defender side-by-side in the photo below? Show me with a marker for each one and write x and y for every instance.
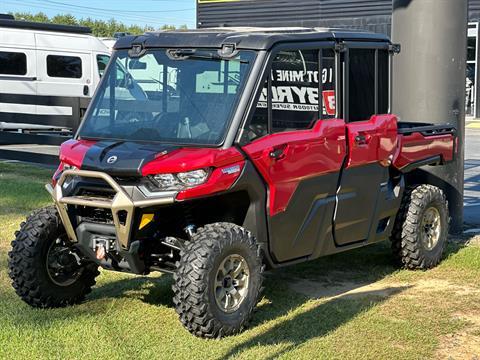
(214, 154)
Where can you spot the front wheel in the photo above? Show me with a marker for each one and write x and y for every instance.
(44, 268)
(421, 228)
(218, 280)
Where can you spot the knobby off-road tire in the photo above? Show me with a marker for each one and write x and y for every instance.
(37, 238)
(202, 273)
(421, 228)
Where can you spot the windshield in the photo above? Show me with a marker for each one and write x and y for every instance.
(176, 96)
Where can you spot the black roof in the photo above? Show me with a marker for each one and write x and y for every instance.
(30, 25)
(7, 17)
(244, 38)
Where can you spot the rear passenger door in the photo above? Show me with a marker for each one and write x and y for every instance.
(298, 146)
(371, 137)
(64, 87)
(64, 74)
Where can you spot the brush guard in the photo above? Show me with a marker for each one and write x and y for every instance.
(122, 202)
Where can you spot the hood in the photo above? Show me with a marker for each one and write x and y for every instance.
(116, 158)
(133, 159)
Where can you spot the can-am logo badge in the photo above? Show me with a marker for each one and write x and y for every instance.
(112, 160)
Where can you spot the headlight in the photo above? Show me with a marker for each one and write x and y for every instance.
(166, 181)
(193, 178)
(69, 179)
(181, 181)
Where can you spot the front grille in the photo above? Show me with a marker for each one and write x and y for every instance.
(94, 215)
(96, 195)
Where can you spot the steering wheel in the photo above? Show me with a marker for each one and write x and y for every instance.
(166, 126)
(146, 133)
(132, 117)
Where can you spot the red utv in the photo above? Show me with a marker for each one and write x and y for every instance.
(212, 154)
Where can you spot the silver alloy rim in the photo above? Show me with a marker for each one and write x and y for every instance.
(56, 271)
(231, 283)
(430, 228)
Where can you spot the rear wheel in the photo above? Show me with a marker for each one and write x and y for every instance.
(421, 228)
(44, 268)
(218, 280)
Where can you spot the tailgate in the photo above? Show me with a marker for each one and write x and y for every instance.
(424, 144)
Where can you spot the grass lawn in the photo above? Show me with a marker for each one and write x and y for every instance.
(350, 306)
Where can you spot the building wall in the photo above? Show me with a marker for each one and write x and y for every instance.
(287, 12)
(373, 15)
(474, 10)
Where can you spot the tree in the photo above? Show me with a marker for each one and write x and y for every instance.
(99, 28)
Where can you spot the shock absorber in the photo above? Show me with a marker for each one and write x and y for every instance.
(190, 228)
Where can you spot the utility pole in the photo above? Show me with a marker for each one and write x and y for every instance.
(429, 80)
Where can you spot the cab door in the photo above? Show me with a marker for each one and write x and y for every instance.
(371, 142)
(298, 150)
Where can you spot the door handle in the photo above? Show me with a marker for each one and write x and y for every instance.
(277, 153)
(362, 139)
(86, 90)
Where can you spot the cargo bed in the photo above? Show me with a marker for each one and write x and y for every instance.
(424, 144)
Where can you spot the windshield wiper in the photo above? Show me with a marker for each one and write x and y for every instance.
(184, 54)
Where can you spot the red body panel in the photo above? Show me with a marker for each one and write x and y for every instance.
(188, 159)
(302, 154)
(379, 140)
(416, 147)
(72, 152)
(306, 154)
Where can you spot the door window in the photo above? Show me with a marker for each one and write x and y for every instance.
(361, 76)
(13, 63)
(258, 125)
(294, 91)
(64, 66)
(383, 81)
(102, 62)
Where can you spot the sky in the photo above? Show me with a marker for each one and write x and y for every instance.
(141, 12)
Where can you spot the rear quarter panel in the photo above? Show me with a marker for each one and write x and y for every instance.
(417, 147)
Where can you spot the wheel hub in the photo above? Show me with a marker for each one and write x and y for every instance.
(231, 283)
(431, 228)
(63, 267)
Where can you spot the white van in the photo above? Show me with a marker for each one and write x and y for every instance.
(48, 74)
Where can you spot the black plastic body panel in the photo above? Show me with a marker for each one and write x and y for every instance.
(256, 217)
(307, 220)
(357, 202)
(388, 202)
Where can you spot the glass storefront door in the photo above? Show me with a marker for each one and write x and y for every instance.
(470, 100)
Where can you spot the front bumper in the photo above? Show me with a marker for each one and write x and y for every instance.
(125, 201)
